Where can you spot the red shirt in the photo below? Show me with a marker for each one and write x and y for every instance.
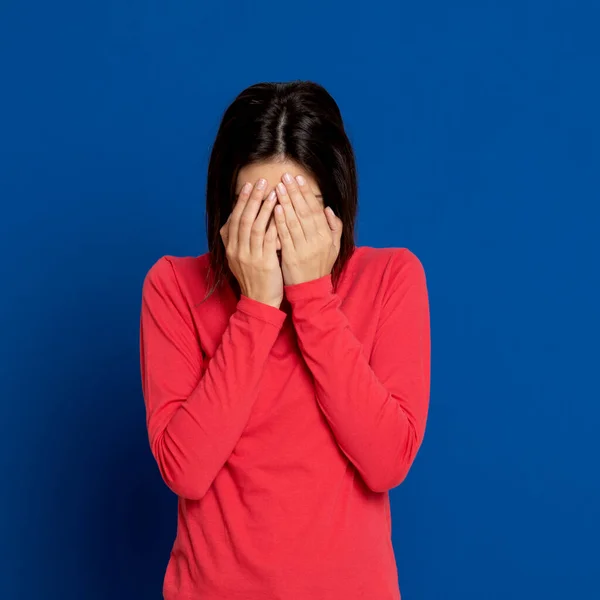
(282, 430)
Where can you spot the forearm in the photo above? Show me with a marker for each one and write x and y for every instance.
(377, 418)
(192, 434)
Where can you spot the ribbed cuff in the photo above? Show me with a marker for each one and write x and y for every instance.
(262, 311)
(315, 288)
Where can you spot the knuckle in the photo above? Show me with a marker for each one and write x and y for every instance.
(256, 191)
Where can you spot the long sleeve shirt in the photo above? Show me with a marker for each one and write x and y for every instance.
(281, 430)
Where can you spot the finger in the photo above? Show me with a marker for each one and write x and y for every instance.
(272, 221)
(319, 219)
(285, 238)
(224, 231)
(234, 217)
(304, 211)
(270, 239)
(335, 224)
(251, 208)
(259, 227)
(316, 221)
(308, 194)
(294, 227)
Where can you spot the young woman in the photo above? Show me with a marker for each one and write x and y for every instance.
(286, 371)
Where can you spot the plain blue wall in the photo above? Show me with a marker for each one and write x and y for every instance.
(476, 129)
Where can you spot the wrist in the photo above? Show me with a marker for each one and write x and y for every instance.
(274, 302)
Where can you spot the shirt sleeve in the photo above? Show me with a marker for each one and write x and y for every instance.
(376, 405)
(196, 410)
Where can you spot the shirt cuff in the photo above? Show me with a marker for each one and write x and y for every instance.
(307, 290)
(262, 311)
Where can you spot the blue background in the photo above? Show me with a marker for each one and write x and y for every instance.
(476, 128)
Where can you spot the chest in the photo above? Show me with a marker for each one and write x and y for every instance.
(285, 419)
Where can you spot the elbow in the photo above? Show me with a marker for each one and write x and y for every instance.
(388, 474)
(384, 480)
(176, 471)
(183, 487)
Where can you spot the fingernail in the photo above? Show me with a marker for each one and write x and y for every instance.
(300, 179)
(261, 184)
(287, 178)
(247, 187)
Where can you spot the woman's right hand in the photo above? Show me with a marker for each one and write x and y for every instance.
(250, 245)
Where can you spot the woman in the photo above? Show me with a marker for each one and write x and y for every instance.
(285, 372)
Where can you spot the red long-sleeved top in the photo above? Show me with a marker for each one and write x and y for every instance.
(282, 430)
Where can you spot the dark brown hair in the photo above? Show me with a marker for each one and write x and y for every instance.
(297, 121)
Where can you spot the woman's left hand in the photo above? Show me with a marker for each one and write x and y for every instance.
(309, 235)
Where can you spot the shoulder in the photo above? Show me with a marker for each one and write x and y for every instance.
(406, 264)
(175, 274)
(402, 282)
(392, 263)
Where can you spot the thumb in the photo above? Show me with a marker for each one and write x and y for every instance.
(224, 231)
(335, 224)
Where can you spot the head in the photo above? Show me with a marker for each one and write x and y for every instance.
(271, 128)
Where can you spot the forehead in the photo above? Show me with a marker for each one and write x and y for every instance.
(273, 172)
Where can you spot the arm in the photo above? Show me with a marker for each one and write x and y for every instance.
(195, 414)
(376, 406)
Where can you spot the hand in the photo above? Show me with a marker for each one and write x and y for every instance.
(310, 236)
(250, 245)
